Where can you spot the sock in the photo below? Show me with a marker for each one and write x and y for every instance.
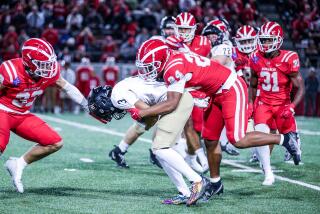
(21, 162)
(283, 138)
(215, 180)
(177, 162)
(223, 137)
(202, 157)
(263, 153)
(123, 146)
(176, 178)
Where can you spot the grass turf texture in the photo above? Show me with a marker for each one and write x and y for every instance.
(100, 187)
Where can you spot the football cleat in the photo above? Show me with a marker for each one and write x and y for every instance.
(230, 149)
(197, 190)
(15, 172)
(291, 144)
(118, 156)
(154, 160)
(287, 156)
(176, 200)
(212, 190)
(269, 179)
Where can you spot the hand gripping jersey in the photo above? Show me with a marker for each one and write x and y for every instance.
(128, 91)
(273, 81)
(188, 70)
(20, 89)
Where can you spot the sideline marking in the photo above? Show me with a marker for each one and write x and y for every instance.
(120, 134)
(87, 160)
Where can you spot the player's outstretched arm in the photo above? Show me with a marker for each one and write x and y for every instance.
(72, 92)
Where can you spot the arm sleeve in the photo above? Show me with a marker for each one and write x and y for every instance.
(76, 95)
(294, 63)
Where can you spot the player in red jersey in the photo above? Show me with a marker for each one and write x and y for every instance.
(185, 40)
(228, 105)
(22, 80)
(275, 72)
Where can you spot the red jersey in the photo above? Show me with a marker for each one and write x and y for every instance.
(20, 89)
(242, 64)
(200, 45)
(198, 72)
(273, 80)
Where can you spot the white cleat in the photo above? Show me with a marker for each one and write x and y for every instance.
(269, 179)
(15, 172)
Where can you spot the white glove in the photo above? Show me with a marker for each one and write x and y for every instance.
(201, 102)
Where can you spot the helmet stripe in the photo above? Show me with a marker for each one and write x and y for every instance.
(46, 44)
(15, 75)
(36, 49)
(8, 71)
(153, 51)
(271, 28)
(190, 19)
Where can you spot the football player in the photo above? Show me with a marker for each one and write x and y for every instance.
(22, 80)
(185, 40)
(274, 72)
(217, 32)
(134, 92)
(228, 106)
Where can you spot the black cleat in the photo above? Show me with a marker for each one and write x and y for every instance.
(290, 142)
(154, 160)
(230, 149)
(212, 190)
(118, 156)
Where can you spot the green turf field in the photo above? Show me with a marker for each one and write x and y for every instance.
(63, 183)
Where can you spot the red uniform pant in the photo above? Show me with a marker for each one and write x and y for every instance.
(227, 109)
(27, 126)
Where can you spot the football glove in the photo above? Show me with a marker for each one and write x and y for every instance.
(288, 111)
(134, 112)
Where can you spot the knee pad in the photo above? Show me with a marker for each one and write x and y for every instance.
(262, 128)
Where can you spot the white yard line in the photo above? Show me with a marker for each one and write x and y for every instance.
(120, 134)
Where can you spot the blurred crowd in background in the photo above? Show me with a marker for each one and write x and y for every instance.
(110, 31)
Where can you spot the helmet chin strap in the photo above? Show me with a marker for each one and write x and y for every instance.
(32, 74)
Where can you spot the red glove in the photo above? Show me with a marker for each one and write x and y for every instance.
(287, 111)
(134, 113)
(174, 42)
(100, 119)
(250, 110)
(240, 61)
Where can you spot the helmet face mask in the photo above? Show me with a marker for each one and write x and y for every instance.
(246, 45)
(148, 71)
(185, 32)
(269, 44)
(45, 69)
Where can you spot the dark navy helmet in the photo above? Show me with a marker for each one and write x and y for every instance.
(100, 105)
(167, 23)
